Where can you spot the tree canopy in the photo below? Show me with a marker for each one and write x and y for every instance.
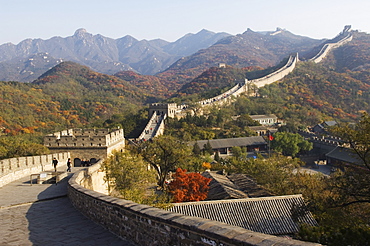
(354, 181)
(164, 154)
(128, 175)
(289, 143)
(188, 187)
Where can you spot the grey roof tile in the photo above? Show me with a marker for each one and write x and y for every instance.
(231, 142)
(269, 215)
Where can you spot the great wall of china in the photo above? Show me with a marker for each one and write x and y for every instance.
(174, 110)
(344, 37)
(147, 225)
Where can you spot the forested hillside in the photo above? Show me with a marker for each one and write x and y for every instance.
(313, 93)
(69, 95)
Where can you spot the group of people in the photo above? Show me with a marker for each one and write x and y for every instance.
(84, 163)
(55, 164)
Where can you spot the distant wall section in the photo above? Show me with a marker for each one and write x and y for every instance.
(344, 37)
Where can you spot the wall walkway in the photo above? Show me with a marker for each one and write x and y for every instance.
(42, 214)
(329, 46)
(16, 168)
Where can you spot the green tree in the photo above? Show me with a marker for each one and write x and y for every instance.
(289, 143)
(196, 149)
(20, 145)
(128, 175)
(354, 182)
(217, 156)
(164, 154)
(238, 152)
(207, 148)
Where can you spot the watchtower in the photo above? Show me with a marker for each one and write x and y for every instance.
(86, 144)
(163, 108)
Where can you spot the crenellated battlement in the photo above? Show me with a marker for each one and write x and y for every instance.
(86, 144)
(77, 138)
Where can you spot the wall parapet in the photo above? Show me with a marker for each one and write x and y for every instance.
(146, 225)
(347, 37)
(19, 167)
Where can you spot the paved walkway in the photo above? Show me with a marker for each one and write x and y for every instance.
(41, 214)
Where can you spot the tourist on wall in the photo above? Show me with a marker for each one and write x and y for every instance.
(69, 165)
(55, 163)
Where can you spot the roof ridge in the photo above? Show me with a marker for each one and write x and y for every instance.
(242, 200)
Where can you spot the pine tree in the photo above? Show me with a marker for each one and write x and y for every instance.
(217, 156)
(196, 149)
(208, 148)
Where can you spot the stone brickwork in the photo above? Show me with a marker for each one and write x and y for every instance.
(86, 143)
(146, 225)
(154, 127)
(16, 168)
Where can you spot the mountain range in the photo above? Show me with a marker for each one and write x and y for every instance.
(27, 60)
(73, 95)
(193, 53)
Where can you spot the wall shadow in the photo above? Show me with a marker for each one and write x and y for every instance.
(54, 221)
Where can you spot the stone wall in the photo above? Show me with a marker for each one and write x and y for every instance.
(146, 225)
(86, 144)
(329, 46)
(16, 168)
(277, 75)
(220, 98)
(154, 127)
(238, 89)
(168, 109)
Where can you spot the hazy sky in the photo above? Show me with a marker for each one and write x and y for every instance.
(172, 19)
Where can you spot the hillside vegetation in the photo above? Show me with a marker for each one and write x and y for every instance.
(69, 95)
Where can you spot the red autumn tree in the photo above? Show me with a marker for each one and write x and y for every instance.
(189, 187)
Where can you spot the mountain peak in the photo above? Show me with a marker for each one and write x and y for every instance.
(204, 31)
(80, 32)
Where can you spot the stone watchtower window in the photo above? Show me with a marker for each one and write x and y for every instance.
(92, 144)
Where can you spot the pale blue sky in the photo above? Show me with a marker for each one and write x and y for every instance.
(171, 19)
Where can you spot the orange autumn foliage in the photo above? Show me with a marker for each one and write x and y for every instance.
(189, 187)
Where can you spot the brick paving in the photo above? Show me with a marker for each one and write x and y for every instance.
(41, 214)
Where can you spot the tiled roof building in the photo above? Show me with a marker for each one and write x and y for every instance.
(238, 200)
(275, 215)
(233, 186)
(223, 146)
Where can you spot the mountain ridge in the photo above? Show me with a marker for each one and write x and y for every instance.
(107, 55)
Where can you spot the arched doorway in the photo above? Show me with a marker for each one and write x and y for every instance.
(77, 162)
